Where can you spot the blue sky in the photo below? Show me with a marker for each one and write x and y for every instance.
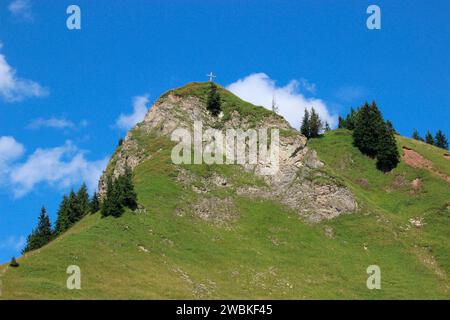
(62, 92)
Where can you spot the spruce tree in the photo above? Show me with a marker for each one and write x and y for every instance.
(441, 140)
(83, 200)
(95, 203)
(75, 213)
(213, 102)
(387, 154)
(63, 220)
(416, 135)
(315, 125)
(13, 263)
(111, 205)
(125, 189)
(391, 126)
(304, 129)
(41, 235)
(327, 126)
(350, 120)
(429, 138)
(368, 127)
(341, 123)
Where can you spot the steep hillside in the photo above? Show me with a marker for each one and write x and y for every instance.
(228, 231)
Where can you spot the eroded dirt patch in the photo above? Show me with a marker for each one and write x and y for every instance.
(415, 160)
(447, 156)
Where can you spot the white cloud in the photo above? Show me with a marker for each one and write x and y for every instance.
(21, 9)
(10, 150)
(139, 111)
(13, 88)
(259, 89)
(60, 167)
(56, 123)
(13, 243)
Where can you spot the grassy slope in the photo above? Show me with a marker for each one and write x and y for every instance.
(267, 253)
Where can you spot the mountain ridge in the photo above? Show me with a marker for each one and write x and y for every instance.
(223, 231)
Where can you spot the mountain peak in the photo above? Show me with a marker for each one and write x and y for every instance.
(289, 179)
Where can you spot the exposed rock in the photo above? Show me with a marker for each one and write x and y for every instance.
(290, 183)
(143, 249)
(417, 222)
(416, 184)
(214, 209)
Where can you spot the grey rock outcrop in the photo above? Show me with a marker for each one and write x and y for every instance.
(299, 182)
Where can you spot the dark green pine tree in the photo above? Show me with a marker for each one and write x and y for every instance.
(111, 205)
(429, 138)
(63, 220)
(315, 125)
(441, 140)
(416, 135)
(368, 127)
(391, 126)
(388, 156)
(213, 102)
(341, 123)
(75, 213)
(41, 235)
(83, 200)
(125, 189)
(94, 205)
(327, 126)
(350, 120)
(304, 129)
(13, 263)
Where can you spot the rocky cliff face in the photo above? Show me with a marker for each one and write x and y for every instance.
(299, 183)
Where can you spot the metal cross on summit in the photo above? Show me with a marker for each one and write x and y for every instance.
(211, 76)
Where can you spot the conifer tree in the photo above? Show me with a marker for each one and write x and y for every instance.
(75, 212)
(41, 235)
(416, 135)
(429, 138)
(213, 102)
(368, 127)
(63, 220)
(13, 263)
(391, 127)
(83, 200)
(441, 140)
(111, 205)
(341, 123)
(387, 154)
(95, 203)
(327, 126)
(350, 120)
(125, 189)
(304, 129)
(315, 125)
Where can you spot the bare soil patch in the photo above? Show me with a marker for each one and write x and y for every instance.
(415, 160)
